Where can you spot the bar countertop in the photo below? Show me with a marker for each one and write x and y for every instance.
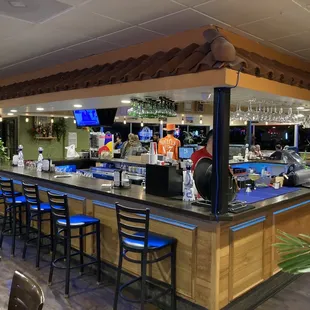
(137, 193)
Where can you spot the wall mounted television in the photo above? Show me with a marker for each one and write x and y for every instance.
(86, 118)
(95, 117)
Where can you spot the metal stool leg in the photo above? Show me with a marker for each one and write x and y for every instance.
(68, 251)
(20, 220)
(118, 278)
(81, 250)
(98, 253)
(51, 233)
(10, 220)
(13, 210)
(39, 218)
(173, 277)
(3, 226)
(143, 279)
(28, 220)
(50, 277)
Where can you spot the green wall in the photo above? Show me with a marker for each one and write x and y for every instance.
(52, 148)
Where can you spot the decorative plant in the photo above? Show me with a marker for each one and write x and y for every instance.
(40, 131)
(3, 152)
(294, 252)
(60, 128)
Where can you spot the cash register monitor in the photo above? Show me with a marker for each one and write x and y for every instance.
(186, 152)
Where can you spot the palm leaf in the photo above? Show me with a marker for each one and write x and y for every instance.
(294, 252)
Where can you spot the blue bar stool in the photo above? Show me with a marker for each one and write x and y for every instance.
(14, 204)
(36, 209)
(63, 223)
(134, 236)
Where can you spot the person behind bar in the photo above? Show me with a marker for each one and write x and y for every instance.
(277, 155)
(118, 141)
(206, 151)
(169, 143)
(155, 137)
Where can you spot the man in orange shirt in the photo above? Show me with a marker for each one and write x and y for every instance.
(169, 143)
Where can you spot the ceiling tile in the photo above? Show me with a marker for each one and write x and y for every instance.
(12, 27)
(93, 47)
(34, 11)
(237, 12)
(280, 26)
(295, 42)
(73, 2)
(192, 3)
(86, 23)
(304, 53)
(303, 3)
(40, 40)
(181, 21)
(131, 36)
(133, 11)
(60, 56)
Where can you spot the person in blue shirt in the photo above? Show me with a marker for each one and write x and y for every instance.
(118, 141)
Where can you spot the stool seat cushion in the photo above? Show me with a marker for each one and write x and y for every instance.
(19, 200)
(44, 206)
(79, 220)
(154, 241)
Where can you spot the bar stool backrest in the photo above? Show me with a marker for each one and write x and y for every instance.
(31, 193)
(133, 224)
(59, 208)
(25, 293)
(7, 188)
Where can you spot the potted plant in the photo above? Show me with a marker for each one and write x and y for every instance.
(3, 152)
(60, 128)
(294, 252)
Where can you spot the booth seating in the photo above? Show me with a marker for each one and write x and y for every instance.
(134, 236)
(36, 209)
(63, 223)
(14, 205)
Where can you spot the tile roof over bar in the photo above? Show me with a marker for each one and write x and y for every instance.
(216, 53)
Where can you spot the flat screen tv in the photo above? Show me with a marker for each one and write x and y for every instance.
(86, 118)
(106, 116)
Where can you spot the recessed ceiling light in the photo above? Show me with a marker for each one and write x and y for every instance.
(300, 108)
(77, 105)
(125, 101)
(10, 114)
(17, 4)
(40, 109)
(13, 111)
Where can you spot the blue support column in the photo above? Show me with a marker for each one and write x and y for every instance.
(220, 161)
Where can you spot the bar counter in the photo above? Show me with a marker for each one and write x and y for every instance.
(217, 261)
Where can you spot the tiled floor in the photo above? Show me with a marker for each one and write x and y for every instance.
(86, 295)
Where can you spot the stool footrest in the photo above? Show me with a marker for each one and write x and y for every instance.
(149, 300)
(93, 261)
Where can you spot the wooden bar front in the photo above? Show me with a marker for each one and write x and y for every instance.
(216, 261)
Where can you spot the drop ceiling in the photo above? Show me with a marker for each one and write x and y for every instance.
(36, 34)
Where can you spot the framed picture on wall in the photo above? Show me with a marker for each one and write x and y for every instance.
(200, 107)
(187, 107)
